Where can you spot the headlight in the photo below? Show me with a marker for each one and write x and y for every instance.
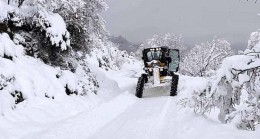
(157, 49)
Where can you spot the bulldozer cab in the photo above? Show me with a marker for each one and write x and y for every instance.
(161, 57)
(161, 65)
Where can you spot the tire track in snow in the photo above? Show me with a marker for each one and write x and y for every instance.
(164, 112)
(87, 123)
(144, 120)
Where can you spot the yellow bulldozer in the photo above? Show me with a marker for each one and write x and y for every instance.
(160, 66)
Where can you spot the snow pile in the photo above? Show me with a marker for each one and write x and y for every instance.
(8, 49)
(190, 87)
(23, 78)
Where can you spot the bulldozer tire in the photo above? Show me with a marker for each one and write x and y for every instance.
(140, 86)
(174, 85)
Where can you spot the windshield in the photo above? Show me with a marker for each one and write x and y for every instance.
(154, 55)
(174, 65)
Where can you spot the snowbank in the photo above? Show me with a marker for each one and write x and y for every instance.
(24, 78)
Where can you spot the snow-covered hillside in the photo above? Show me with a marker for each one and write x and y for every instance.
(45, 75)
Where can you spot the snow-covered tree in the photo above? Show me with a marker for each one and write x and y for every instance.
(83, 24)
(58, 32)
(234, 90)
(46, 48)
(82, 18)
(205, 58)
(255, 1)
(169, 39)
(17, 2)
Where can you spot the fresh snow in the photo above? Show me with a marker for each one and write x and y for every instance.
(48, 112)
(155, 116)
(4, 8)
(87, 123)
(55, 28)
(30, 76)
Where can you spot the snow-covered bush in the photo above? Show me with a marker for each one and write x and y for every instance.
(36, 31)
(42, 33)
(234, 89)
(204, 59)
(46, 48)
(51, 25)
(7, 49)
(107, 55)
(82, 18)
(42, 27)
(54, 27)
(23, 77)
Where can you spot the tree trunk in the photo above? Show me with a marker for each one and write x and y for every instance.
(20, 3)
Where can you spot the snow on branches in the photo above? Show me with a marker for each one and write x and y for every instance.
(41, 29)
(205, 58)
(253, 47)
(169, 39)
(8, 49)
(54, 27)
(234, 89)
(23, 78)
(28, 19)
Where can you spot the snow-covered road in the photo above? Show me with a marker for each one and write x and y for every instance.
(156, 116)
(147, 118)
(127, 117)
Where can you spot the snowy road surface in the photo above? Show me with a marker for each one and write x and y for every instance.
(156, 116)
(147, 118)
(126, 117)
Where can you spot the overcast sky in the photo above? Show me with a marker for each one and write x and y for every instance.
(196, 20)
